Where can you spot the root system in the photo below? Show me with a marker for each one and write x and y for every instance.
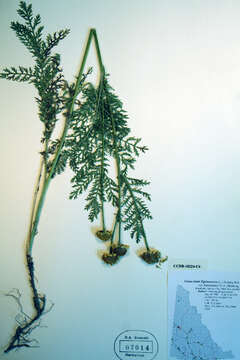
(21, 337)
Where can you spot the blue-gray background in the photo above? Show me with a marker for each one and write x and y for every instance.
(176, 66)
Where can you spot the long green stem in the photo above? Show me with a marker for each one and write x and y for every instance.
(117, 159)
(102, 164)
(45, 158)
(93, 34)
(102, 186)
(114, 227)
(119, 197)
(37, 188)
(99, 57)
(137, 210)
(47, 181)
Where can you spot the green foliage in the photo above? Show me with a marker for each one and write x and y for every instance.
(46, 75)
(100, 131)
(134, 207)
(20, 74)
(95, 131)
(88, 146)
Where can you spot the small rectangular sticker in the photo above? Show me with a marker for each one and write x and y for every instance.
(187, 264)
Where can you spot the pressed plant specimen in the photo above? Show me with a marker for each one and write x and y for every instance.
(55, 98)
(99, 132)
(95, 131)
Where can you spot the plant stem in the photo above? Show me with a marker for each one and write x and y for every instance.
(35, 197)
(114, 227)
(47, 180)
(93, 35)
(99, 57)
(101, 114)
(45, 156)
(137, 210)
(119, 196)
(117, 159)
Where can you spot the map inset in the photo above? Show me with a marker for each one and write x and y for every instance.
(191, 339)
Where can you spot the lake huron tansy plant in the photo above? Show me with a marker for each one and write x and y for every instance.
(94, 130)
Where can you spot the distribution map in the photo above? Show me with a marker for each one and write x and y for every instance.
(191, 339)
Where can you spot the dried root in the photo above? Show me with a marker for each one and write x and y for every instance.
(27, 324)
